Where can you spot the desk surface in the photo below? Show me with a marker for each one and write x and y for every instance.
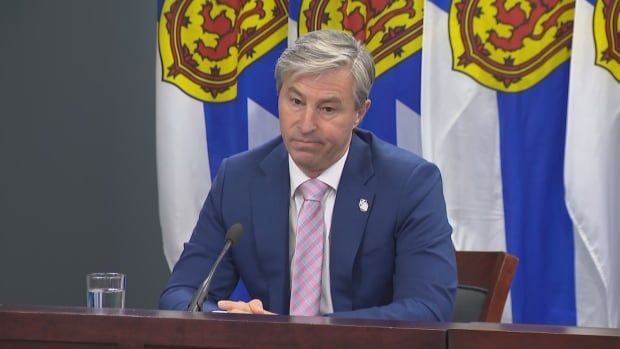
(76, 328)
(86, 328)
(509, 336)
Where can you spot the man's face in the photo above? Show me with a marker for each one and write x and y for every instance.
(317, 117)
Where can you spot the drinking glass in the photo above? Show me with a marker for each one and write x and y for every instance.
(105, 290)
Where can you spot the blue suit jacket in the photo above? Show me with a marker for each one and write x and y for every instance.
(394, 261)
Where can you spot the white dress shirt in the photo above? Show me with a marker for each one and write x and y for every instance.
(331, 177)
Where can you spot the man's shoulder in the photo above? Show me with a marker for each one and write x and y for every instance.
(254, 157)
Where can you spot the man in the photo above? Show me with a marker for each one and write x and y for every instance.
(336, 221)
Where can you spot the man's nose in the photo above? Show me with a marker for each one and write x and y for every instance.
(307, 123)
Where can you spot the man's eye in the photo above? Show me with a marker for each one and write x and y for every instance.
(296, 101)
(328, 109)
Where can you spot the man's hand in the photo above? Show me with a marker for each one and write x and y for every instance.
(255, 306)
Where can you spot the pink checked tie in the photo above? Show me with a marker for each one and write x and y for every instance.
(308, 256)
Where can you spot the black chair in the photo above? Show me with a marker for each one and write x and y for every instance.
(484, 282)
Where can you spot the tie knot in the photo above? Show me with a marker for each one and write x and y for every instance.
(313, 189)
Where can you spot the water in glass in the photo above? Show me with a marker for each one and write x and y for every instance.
(106, 298)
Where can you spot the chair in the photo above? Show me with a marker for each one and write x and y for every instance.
(484, 282)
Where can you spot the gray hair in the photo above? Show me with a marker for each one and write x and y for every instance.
(323, 50)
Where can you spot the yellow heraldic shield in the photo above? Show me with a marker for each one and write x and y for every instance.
(607, 35)
(510, 45)
(205, 45)
(391, 30)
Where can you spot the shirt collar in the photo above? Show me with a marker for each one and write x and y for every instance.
(331, 176)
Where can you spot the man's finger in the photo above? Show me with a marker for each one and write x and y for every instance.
(230, 305)
(224, 305)
(256, 306)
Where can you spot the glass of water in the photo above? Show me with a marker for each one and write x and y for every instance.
(105, 290)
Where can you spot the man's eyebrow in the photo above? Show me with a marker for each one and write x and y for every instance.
(293, 90)
(333, 99)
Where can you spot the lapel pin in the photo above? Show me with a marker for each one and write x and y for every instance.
(363, 205)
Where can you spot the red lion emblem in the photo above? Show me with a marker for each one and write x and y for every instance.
(523, 25)
(205, 45)
(510, 48)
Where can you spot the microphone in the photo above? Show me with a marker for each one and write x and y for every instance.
(232, 236)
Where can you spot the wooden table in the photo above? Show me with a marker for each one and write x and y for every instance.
(77, 328)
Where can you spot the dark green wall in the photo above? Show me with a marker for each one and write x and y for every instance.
(78, 187)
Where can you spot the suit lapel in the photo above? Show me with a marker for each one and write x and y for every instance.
(349, 222)
(270, 204)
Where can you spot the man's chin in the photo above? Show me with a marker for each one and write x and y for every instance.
(305, 160)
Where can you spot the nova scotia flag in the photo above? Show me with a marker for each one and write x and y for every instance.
(592, 166)
(216, 97)
(494, 119)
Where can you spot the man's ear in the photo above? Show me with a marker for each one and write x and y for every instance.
(361, 112)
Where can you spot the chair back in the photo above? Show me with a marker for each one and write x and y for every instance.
(484, 282)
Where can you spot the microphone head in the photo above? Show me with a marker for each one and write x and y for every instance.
(234, 233)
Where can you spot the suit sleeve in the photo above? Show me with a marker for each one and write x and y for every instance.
(425, 279)
(199, 254)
